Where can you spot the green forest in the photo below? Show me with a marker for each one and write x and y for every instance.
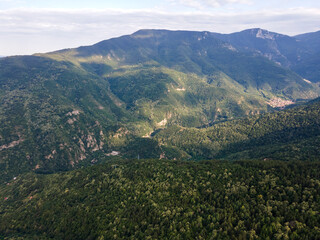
(161, 199)
(292, 134)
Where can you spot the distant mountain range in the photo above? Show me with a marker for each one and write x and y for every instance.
(300, 53)
(75, 107)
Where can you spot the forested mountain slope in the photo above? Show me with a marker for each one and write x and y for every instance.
(309, 66)
(286, 135)
(299, 53)
(53, 115)
(72, 107)
(279, 48)
(189, 52)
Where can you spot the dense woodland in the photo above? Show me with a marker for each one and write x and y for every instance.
(161, 199)
(285, 135)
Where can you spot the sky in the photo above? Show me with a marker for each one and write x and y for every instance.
(34, 26)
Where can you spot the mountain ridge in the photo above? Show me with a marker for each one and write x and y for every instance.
(293, 52)
(73, 107)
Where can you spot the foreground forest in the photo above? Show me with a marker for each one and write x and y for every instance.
(161, 199)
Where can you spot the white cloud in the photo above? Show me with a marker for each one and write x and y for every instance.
(26, 31)
(202, 4)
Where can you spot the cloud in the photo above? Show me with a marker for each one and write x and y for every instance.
(202, 4)
(25, 31)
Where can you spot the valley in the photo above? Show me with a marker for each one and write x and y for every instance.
(163, 135)
(63, 109)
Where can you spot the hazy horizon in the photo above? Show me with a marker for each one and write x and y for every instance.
(33, 26)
